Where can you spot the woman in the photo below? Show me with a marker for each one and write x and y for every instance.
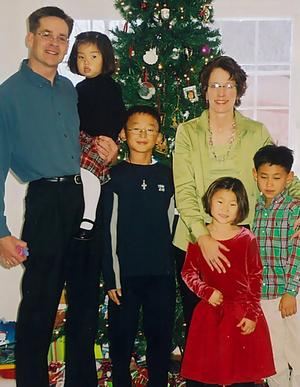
(221, 142)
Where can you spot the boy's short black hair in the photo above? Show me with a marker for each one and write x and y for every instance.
(153, 112)
(274, 155)
(231, 184)
(104, 46)
(34, 18)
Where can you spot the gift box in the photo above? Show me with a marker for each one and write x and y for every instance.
(7, 332)
(8, 371)
(56, 374)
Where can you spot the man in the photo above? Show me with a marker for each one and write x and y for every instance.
(39, 130)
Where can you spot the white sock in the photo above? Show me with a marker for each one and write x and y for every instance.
(91, 195)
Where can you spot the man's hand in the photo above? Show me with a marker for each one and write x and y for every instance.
(211, 250)
(114, 295)
(247, 326)
(107, 149)
(216, 298)
(287, 305)
(9, 256)
(297, 232)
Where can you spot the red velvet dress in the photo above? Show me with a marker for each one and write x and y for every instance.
(216, 352)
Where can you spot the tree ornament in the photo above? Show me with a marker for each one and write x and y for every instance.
(150, 57)
(165, 13)
(175, 53)
(157, 19)
(185, 115)
(188, 52)
(131, 52)
(205, 12)
(162, 146)
(205, 50)
(144, 5)
(146, 90)
(172, 23)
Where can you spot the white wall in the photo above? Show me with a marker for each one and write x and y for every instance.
(12, 21)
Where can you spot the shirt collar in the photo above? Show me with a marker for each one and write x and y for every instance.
(36, 78)
(277, 200)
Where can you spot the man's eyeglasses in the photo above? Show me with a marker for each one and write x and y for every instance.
(226, 86)
(137, 131)
(49, 37)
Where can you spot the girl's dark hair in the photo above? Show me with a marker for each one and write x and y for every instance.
(235, 71)
(231, 184)
(34, 18)
(153, 112)
(274, 155)
(104, 46)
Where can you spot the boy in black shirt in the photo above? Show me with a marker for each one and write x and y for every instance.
(138, 265)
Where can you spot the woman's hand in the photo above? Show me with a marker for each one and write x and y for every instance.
(211, 250)
(107, 149)
(247, 326)
(216, 298)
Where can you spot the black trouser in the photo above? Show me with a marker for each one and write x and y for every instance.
(189, 298)
(156, 296)
(191, 383)
(53, 214)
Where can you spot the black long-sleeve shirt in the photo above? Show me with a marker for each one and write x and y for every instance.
(138, 209)
(100, 106)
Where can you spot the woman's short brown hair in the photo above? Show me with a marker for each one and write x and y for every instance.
(231, 184)
(104, 46)
(235, 71)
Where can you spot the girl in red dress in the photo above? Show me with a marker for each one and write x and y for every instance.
(228, 342)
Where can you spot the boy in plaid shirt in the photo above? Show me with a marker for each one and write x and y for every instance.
(275, 215)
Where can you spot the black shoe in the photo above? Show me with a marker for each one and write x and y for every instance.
(83, 234)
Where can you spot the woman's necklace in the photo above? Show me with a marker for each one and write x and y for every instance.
(229, 144)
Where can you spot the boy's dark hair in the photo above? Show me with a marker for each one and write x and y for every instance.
(104, 46)
(153, 112)
(34, 18)
(231, 184)
(274, 155)
(235, 71)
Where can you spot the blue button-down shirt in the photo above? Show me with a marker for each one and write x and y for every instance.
(39, 129)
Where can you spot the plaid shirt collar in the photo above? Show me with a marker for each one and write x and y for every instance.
(276, 202)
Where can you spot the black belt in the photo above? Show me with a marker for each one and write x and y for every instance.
(60, 179)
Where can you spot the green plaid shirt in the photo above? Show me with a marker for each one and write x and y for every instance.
(273, 227)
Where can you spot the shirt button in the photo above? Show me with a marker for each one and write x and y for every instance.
(72, 157)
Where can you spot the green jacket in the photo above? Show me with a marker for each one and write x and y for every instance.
(195, 168)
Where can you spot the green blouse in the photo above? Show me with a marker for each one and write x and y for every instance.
(196, 166)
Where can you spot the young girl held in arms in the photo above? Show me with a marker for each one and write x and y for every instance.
(101, 112)
(228, 341)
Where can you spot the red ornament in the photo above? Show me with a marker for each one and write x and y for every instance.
(144, 5)
(131, 52)
(205, 50)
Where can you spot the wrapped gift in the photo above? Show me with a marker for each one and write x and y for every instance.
(7, 371)
(140, 377)
(7, 332)
(57, 350)
(98, 352)
(104, 372)
(56, 374)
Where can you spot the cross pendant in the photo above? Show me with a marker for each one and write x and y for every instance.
(144, 185)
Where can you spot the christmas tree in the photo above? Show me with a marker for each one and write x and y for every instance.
(161, 50)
